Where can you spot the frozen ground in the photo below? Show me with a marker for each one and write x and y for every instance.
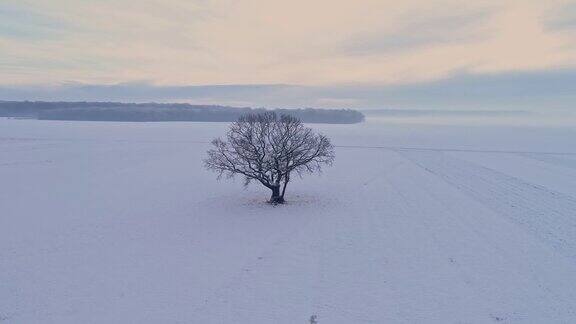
(118, 223)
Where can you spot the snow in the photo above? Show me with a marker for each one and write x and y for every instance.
(104, 222)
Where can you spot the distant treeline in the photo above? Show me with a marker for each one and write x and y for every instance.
(441, 113)
(114, 111)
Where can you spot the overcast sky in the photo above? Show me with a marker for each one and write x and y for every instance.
(351, 46)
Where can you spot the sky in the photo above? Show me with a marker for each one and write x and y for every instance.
(346, 53)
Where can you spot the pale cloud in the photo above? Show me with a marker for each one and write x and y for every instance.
(562, 18)
(419, 30)
(267, 41)
(19, 22)
(537, 90)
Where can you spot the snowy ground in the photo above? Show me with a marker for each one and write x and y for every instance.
(118, 223)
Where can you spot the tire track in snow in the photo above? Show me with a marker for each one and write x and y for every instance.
(491, 256)
(437, 149)
(547, 214)
(274, 284)
(552, 159)
(389, 260)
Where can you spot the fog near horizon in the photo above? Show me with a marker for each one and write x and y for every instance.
(519, 118)
(547, 90)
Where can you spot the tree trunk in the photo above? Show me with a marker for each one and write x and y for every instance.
(284, 189)
(276, 198)
(286, 180)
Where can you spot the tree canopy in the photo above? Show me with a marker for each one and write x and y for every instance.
(269, 148)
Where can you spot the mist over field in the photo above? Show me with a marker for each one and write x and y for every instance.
(534, 118)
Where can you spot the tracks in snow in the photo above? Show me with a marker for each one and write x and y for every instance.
(547, 214)
(553, 159)
(405, 247)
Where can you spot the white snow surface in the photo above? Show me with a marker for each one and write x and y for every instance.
(104, 222)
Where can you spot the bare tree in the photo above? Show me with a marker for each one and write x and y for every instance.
(269, 149)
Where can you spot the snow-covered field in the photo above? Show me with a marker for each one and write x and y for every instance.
(119, 223)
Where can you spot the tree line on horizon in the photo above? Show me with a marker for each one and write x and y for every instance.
(115, 111)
